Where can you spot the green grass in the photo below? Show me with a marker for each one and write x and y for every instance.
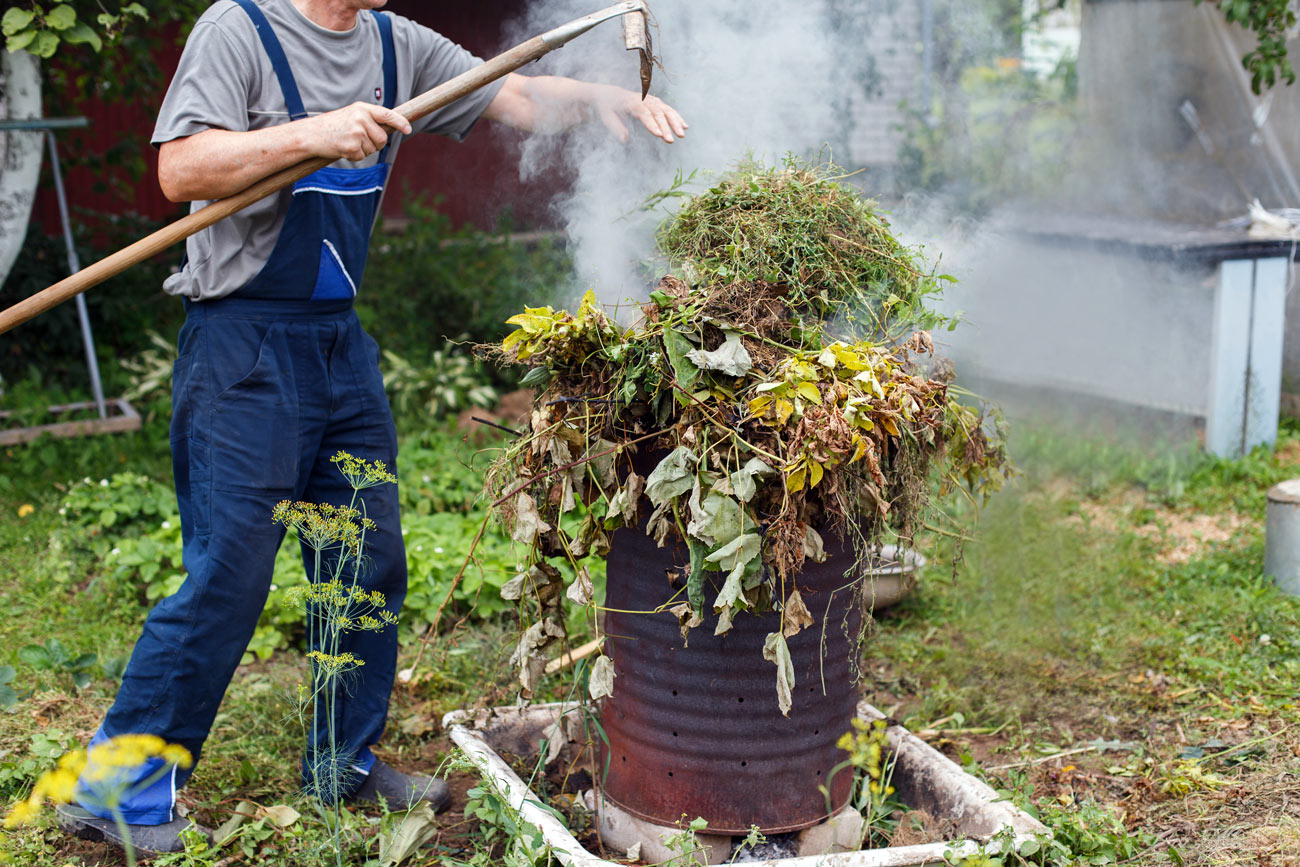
(1063, 625)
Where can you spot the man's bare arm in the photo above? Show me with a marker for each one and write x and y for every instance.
(217, 163)
(546, 103)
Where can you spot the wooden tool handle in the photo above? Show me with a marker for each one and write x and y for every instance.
(430, 101)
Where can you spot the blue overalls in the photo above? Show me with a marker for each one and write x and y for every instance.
(271, 381)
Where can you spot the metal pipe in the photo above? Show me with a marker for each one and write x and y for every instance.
(74, 265)
(1282, 536)
(42, 124)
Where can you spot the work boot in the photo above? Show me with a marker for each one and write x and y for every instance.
(401, 791)
(147, 840)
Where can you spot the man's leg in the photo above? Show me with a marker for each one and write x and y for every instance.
(233, 386)
(361, 424)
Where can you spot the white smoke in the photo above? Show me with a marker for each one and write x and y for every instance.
(761, 76)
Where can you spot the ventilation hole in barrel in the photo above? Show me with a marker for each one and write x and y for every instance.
(816, 732)
(743, 763)
(674, 734)
(812, 689)
(819, 773)
(741, 699)
(625, 759)
(674, 692)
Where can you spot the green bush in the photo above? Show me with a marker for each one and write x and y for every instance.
(451, 381)
(122, 311)
(130, 526)
(997, 135)
(429, 282)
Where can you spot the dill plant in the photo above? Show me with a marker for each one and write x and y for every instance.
(333, 605)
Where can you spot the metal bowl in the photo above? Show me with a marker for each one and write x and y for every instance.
(892, 576)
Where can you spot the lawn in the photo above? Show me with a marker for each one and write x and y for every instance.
(1107, 652)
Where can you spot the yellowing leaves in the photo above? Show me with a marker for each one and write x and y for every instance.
(806, 472)
(772, 408)
(782, 399)
(542, 328)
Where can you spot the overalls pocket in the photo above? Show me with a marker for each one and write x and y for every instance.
(191, 460)
(254, 428)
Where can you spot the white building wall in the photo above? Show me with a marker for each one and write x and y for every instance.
(895, 42)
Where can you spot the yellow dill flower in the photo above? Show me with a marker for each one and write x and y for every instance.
(333, 664)
(102, 763)
(23, 813)
(175, 754)
(866, 746)
(56, 785)
(320, 526)
(362, 474)
(73, 761)
(25, 509)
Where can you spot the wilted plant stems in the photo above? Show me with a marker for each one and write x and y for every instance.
(432, 631)
(705, 409)
(537, 478)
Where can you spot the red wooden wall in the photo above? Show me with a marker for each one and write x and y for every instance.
(477, 179)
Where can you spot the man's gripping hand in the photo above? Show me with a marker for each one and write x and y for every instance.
(351, 133)
(217, 163)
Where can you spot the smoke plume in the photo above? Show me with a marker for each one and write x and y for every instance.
(762, 77)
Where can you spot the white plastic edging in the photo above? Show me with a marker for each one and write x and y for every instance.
(569, 852)
(979, 808)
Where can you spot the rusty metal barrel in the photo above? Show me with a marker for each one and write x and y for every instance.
(694, 728)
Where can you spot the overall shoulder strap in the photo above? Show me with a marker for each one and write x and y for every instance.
(279, 62)
(390, 58)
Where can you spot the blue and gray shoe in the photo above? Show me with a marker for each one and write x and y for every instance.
(401, 791)
(147, 840)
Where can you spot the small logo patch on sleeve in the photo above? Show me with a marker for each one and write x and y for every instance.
(379, 94)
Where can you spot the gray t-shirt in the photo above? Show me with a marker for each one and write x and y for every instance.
(225, 81)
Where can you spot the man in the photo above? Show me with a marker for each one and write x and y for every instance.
(274, 374)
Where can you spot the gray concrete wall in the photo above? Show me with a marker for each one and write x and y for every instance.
(1140, 62)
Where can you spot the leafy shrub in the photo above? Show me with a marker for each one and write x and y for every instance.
(430, 282)
(130, 524)
(122, 313)
(18, 770)
(999, 134)
(448, 383)
(437, 472)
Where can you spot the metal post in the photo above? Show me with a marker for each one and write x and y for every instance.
(74, 265)
(1230, 358)
(1246, 376)
(1267, 333)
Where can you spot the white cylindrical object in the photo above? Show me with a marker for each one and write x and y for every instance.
(1282, 536)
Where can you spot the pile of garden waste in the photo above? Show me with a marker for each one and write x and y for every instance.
(778, 392)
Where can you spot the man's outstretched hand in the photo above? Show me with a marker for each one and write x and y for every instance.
(551, 104)
(659, 118)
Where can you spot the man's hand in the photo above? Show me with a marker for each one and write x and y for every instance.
(219, 163)
(660, 119)
(351, 133)
(551, 104)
